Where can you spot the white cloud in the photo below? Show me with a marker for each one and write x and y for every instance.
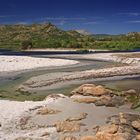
(134, 21)
(7, 16)
(133, 14)
(63, 18)
(22, 23)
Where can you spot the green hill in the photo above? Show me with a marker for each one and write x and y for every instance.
(41, 35)
(49, 36)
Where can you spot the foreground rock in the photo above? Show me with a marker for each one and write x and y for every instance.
(91, 89)
(60, 117)
(99, 95)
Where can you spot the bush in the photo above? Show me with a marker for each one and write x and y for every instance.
(26, 45)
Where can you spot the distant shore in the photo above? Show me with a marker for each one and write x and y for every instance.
(63, 50)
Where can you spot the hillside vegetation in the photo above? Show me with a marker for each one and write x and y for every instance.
(49, 36)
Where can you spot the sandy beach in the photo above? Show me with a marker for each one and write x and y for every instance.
(18, 63)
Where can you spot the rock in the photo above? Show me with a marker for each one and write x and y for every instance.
(104, 136)
(138, 137)
(104, 101)
(111, 129)
(122, 118)
(107, 136)
(80, 89)
(78, 118)
(91, 89)
(136, 125)
(88, 138)
(118, 101)
(84, 99)
(128, 124)
(130, 92)
(23, 121)
(46, 111)
(100, 90)
(67, 126)
(68, 138)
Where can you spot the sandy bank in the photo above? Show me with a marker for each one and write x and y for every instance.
(20, 119)
(17, 63)
(132, 68)
(61, 50)
(116, 57)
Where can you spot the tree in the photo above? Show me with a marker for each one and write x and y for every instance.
(25, 45)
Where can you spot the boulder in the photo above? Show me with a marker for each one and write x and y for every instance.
(106, 100)
(136, 125)
(46, 111)
(83, 87)
(91, 89)
(67, 126)
(68, 138)
(108, 136)
(84, 99)
(88, 138)
(78, 118)
(130, 92)
(111, 129)
(138, 137)
(104, 136)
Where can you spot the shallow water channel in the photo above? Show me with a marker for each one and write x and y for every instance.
(9, 82)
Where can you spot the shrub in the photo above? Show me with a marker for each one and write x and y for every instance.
(26, 45)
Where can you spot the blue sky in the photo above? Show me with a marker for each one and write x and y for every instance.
(95, 16)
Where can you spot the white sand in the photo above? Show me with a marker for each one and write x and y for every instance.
(17, 63)
(116, 57)
(12, 111)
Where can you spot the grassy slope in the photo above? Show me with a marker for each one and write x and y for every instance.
(49, 36)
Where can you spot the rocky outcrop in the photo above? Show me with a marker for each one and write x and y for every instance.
(68, 126)
(60, 117)
(99, 95)
(136, 125)
(47, 111)
(68, 138)
(91, 89)
(119, 127)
